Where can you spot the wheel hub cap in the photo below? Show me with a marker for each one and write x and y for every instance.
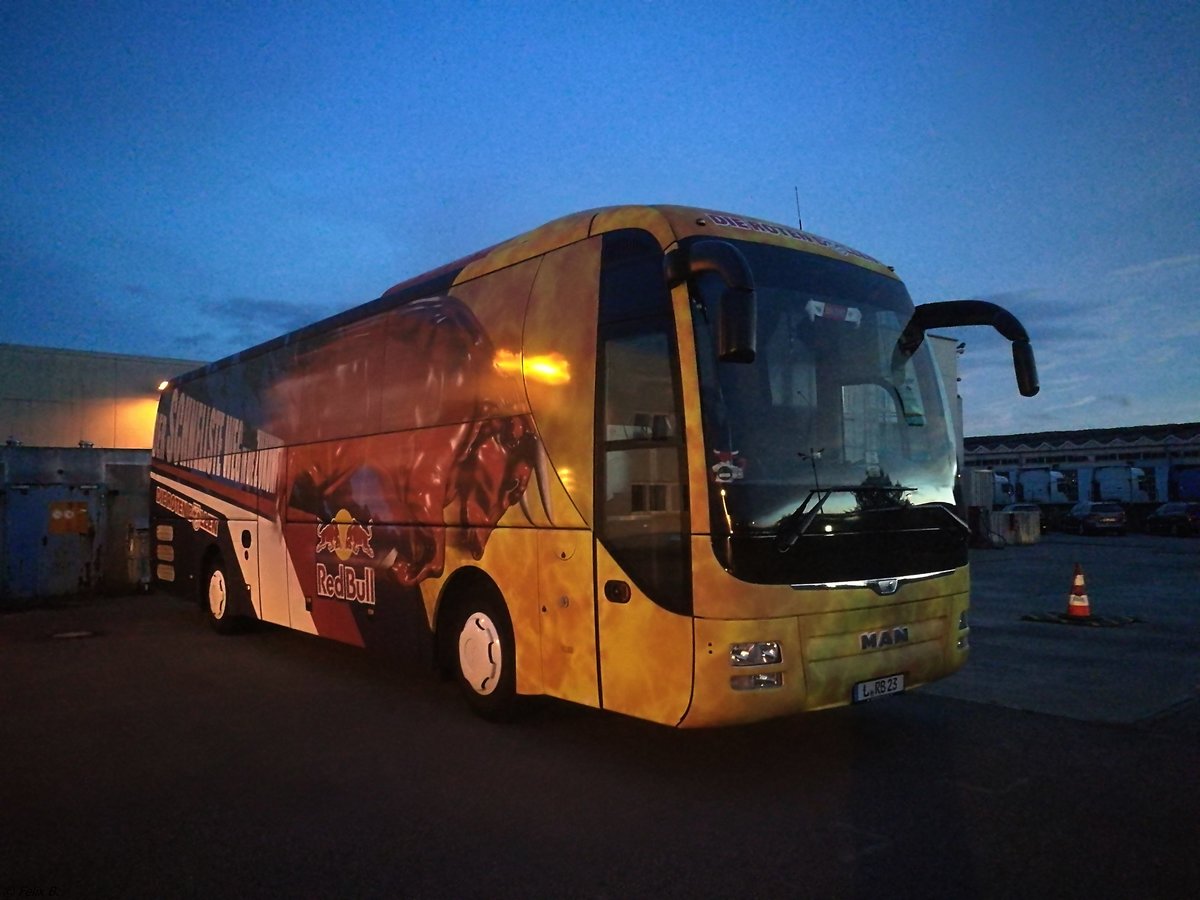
(216, 594)
(479, 655)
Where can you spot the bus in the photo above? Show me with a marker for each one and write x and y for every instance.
(689, 466)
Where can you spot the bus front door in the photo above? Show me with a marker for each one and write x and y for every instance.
(643, 616)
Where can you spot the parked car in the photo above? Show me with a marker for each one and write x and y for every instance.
(1094, 517)
(1175, 518)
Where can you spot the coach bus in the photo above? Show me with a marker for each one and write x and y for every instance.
(685, 465)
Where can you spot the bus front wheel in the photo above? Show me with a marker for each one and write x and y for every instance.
(485, 658)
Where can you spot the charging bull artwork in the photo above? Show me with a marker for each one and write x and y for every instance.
(453, 450)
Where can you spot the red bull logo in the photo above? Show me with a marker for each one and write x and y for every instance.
(346, 537)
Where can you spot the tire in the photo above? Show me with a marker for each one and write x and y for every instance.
(484, 657)
(215, 600)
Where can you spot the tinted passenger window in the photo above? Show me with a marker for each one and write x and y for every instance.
(632, 285)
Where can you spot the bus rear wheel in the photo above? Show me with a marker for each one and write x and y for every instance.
(485, 658)
(216, 600)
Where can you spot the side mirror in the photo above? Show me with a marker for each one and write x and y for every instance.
(1026, 368)
(737, 314)
(952, 313)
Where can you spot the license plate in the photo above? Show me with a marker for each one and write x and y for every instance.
(878, 687)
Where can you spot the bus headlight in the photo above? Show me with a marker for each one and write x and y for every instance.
(758, 653)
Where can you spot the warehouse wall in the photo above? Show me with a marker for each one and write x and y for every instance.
(73, 517)
(58, 398)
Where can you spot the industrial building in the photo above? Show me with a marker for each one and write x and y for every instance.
(76, 428)
(1139, 467)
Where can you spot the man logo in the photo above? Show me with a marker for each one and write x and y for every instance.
(889, 637)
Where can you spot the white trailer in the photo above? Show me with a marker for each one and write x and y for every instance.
(1124, 484)
(1042, 485)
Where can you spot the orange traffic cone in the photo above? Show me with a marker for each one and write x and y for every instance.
(1078, 606)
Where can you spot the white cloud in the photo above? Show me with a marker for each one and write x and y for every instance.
(1158, 265)
(1116, 347)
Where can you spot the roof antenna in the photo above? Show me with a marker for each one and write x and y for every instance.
(799, 224)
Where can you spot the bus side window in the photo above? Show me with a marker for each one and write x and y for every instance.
(643, 492)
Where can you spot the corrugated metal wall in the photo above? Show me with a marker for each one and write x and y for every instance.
(68, 521)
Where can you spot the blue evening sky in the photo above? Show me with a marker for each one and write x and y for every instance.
(187, 179)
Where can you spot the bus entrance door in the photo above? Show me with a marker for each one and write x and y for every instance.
(645, 650)
(642, 565)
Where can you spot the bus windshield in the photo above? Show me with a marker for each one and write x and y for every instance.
(827, 414)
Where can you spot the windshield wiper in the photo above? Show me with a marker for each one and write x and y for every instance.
(793, 526)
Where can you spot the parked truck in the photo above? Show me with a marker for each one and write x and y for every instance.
(1185, 483)
(1043, 486)
(1124, 484)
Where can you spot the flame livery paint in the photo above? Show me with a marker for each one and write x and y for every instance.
(462, 449)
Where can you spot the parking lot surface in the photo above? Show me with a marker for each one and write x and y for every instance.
(1106, 673)
(144, 755)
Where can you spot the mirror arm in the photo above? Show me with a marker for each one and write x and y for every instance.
(951, 313)
(704, 256)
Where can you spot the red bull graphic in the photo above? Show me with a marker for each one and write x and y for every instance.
(327, 538)
(345, 538)
(458, 452)
(346, 584)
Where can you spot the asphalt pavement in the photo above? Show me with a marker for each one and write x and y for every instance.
(1114, 671)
